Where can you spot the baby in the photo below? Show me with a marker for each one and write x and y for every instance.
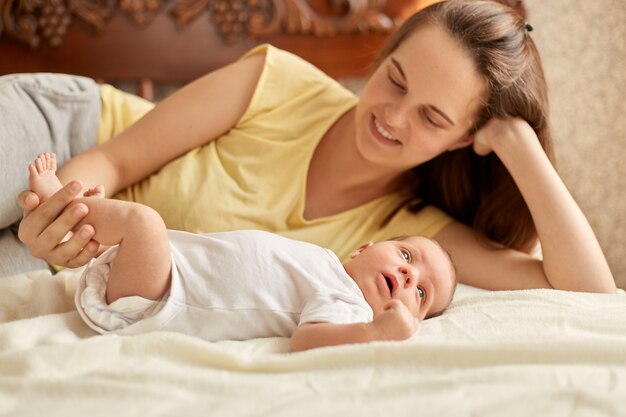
(248, 284)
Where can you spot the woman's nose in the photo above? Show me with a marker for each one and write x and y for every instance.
(396, 115)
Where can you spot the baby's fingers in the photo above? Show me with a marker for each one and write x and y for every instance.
(393, 305)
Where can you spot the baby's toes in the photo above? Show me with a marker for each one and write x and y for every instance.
(98, 191)
(51, 161)
(40, 163)
(32, 169)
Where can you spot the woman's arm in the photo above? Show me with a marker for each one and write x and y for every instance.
(193, 116)
(197, 114)
(572, 257)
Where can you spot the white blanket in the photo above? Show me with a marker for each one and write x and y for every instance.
(518, 353)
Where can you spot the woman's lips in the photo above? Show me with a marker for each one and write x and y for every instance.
(381, 133)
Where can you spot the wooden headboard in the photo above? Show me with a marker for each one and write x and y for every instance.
(175, 41)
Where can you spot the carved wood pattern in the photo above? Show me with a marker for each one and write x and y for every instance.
(31, 21)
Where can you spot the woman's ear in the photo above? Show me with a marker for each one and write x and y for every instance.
(360, 249)
(463, 142)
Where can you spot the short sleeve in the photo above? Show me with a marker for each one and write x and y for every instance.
(286, 81)
(119, 110)
(335, 308)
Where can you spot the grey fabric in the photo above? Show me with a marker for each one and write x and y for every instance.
(14, 255)
(38, 113)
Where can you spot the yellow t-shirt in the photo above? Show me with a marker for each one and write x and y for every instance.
(254, 177)
(118, 110)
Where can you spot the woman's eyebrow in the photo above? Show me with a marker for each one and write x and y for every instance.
(441, 113)
(430, 106)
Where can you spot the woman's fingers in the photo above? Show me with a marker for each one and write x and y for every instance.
(48, 232)
(27, 200)
(481, 140)
(70, 253)
(500, 132)
(481, 148)
(86, 254)
(44, 227)
(37, 220)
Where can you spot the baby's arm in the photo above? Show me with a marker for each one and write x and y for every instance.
(394, 323)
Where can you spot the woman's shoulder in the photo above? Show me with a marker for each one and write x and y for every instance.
(283, 60)
(286, 72)
(287, 78)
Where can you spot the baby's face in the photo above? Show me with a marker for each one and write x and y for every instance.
(414, 270)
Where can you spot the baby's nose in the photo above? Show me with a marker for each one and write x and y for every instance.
(410, 275)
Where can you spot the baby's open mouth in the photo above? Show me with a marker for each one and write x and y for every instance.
(389, 283)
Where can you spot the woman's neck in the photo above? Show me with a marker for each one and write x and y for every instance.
(340, 176)
(339, 152)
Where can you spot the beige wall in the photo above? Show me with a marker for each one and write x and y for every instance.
(583, 45)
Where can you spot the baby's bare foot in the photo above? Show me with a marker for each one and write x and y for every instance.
(43, 180)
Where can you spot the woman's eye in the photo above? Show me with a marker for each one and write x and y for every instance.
(420, 293)
(395, 83)
(430, 121)
(406, 255)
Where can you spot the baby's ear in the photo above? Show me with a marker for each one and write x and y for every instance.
(360, 249)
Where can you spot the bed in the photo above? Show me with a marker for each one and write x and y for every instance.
(513, 353)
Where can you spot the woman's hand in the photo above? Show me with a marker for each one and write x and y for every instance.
(45, 226)
(499, 132)
(572, 257)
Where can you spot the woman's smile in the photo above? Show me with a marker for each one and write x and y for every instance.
(382, 134)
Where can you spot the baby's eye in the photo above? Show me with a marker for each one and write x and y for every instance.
(420, 293)
(406, 255)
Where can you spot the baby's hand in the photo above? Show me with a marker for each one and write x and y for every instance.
(395, 323)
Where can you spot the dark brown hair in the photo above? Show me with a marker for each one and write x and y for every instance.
(479, 191)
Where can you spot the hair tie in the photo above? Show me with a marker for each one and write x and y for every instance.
(529, 28)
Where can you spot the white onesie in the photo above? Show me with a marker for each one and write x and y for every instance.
(230, 286)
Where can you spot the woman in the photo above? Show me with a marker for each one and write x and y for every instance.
(454, 116)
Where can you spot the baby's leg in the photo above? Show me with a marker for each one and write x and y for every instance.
(143, 264)
(43, 180)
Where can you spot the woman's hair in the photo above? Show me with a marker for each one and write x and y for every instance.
(478, 190)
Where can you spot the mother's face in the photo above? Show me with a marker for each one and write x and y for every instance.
(420, 102)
